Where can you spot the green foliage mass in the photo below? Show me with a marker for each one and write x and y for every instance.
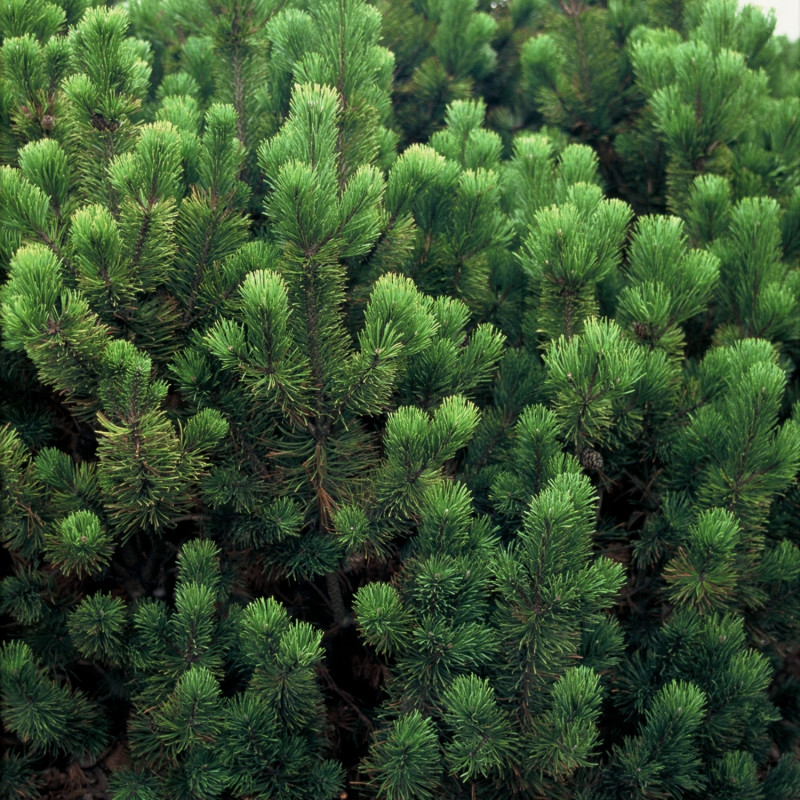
(399, 399)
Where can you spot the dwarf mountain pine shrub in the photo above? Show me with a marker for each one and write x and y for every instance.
(399, 400)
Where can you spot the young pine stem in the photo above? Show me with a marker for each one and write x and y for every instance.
(340, 613)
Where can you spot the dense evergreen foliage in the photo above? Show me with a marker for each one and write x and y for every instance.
(399, 400)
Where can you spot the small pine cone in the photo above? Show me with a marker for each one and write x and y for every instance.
(47, 122)
(591, 459)
(641, 330)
